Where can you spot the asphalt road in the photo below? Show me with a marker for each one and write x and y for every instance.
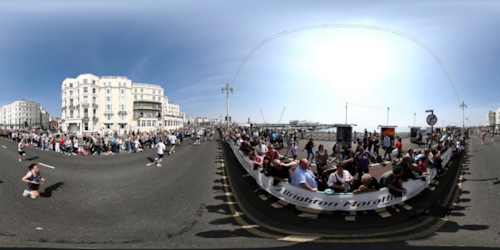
(196, 200)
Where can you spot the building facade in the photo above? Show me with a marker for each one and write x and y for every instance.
(112, 104)
(491, 119)
(172, 116)
(24, 115)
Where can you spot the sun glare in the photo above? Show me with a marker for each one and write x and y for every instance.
(351, 61)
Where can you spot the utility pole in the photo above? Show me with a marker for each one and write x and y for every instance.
(463, 106)
(227, 89)
(387, 116)
(346, 113)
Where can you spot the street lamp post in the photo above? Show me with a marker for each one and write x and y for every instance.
(463, 106)
(227, 89)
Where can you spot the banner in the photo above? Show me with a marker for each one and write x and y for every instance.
(337, 201)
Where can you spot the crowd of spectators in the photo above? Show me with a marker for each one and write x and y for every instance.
(105, 143)
(347, 172)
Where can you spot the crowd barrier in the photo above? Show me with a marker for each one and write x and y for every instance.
(338, 201)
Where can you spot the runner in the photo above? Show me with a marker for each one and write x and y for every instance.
(160, 147)
(482, 137)
(173, 140)
(34, 179)
(20, 148)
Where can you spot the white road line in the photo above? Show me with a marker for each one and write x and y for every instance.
(4, 146)
(45, 165)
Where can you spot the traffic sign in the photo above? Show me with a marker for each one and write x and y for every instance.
(432, 119)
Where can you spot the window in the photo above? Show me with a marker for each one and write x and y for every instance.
(94, 111)
(70, 102)
(108, 107)
(86, 125)
(135, 90)
(71, 93)
(108, 117)
(71, 85)
(108, 98)
(71, 114)
(153, 91)
(122, 99)
(142, 90)
(141, 97)
(135, 97)
(122, 91)
(85, 89)
(149, 123)
(94, 100)
(84, 80)
(143, 123)
(108, 91)
(85, 99)
(93, 90)
(122, 107)
(85, 112)
(122, 117)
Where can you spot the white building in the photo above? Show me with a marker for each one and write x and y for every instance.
(114, 104)
(172, 117)
(148, 99)
(23, 115)
(497, 118)
(491, 119)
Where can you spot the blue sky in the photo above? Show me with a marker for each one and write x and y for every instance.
(372, 55)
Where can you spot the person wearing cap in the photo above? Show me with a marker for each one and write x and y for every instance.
(392, 180)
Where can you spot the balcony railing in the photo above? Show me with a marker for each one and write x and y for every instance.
(85, 119)
(85, 105)
(71, 107)
(94, 118)
(147, 107)
(94, 105)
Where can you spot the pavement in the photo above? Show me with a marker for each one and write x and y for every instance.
(417, 217)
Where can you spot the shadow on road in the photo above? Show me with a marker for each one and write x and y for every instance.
(48, 190)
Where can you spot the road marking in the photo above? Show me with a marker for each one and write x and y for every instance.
(299, 238)
(151, 163)
(4, 146)
(45, 165)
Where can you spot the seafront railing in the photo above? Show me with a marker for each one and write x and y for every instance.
(337, 201)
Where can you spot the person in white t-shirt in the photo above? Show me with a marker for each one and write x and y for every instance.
(20, 148)
(173, 139)
(261, 148)
(160, 147)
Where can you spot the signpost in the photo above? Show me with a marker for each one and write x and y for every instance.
(431, 120)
